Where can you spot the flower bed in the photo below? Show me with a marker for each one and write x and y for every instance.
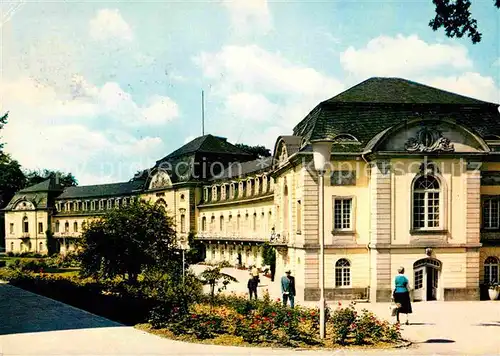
(268, 323)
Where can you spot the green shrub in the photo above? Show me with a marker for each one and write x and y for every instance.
(342, 319)
(364, 328)
(27, 265)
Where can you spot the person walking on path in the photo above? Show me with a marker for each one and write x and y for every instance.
(401, 294)
(255, 274)
(288, 288)
(252, 287)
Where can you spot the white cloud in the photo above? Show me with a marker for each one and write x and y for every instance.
(403, 56)
(161, 109)
(47, 129)
(262, 94)
(443, 66)
(109, 24)
(469, 84)
(255, 69)
(249, 16)
(250, 107)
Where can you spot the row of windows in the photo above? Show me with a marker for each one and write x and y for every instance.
(26, 227)
(67, 226)
(248, 221)
(93, 205)
(251, 187)
(28, 246)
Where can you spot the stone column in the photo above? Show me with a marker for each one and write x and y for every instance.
(473, 230)
(380, 237)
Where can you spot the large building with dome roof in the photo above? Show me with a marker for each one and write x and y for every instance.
(413, 181)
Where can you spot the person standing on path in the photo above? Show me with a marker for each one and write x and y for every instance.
(401, 294)
(288, 288)
(252, 287)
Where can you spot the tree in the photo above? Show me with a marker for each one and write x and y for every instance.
(12, 178)
(3, 121)
(197, 250)
(260, 151)
(11, 175)
(213, 276)
(65, 179)
(126, 241)
(454, 16)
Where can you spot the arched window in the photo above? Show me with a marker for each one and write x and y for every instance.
(12, 246)
(342, 273)
(212, 224)
(57, 226)
(221, 223)
(254, 221)
(491, 267)
(183, 223)
(426, 202)
(40, 246)
(25, 225)
(75, 227)
(204, 224)
(66, 227)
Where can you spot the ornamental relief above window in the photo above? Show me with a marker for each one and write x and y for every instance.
(160, 180)
(429, 140)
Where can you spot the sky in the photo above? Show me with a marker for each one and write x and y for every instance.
(104, 89)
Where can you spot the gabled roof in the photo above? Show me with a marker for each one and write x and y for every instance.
(207, 144)
(102, 190)
(399, 91)
(47, 185)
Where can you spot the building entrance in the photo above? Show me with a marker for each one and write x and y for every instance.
(426, 278)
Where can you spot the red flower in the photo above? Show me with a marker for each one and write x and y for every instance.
(340, 304)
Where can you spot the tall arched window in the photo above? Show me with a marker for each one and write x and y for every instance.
(25, 225)
(342, 273)
(66, 227)
(221, 223)
(426, 198)
(75, 227)
(203, 224)
(491, 267)
(183, 223)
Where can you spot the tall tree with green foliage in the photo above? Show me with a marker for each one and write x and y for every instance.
(128, 240)
(12, 177)
(258, 150)
(456, 19)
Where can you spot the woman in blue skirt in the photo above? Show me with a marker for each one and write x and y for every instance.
(402, 294)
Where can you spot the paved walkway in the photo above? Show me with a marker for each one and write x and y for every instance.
(35, 325)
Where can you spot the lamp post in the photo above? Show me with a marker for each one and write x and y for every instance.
(321, 156)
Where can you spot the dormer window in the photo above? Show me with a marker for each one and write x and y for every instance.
(249, 188)
(223, 192)
(241, 189)
(257, 186)
(214, 193)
